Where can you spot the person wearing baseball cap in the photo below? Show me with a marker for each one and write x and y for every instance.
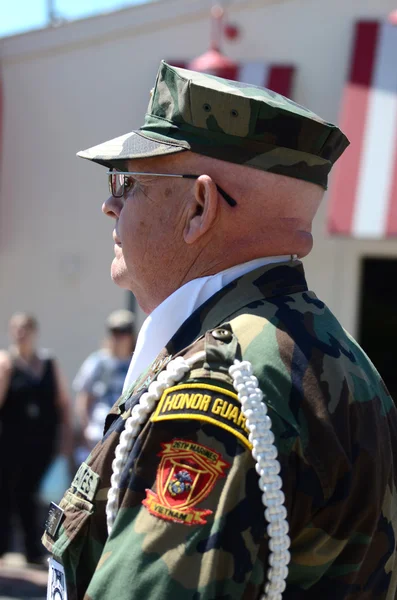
(100, 379)
(121, 320)
(252, 452)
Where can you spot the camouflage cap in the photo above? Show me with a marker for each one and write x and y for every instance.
(231, 121)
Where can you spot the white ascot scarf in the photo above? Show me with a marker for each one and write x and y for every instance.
(159, 327)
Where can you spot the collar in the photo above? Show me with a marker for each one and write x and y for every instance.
(248, 291)
(266, 281)
(160, 326)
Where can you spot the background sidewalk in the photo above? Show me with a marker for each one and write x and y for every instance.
(19, 582)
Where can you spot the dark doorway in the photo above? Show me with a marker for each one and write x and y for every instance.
(378, 317)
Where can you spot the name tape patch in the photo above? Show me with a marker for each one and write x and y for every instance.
(86, 482)
(204, 402)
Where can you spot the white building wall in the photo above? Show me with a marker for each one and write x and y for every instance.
(69, 88)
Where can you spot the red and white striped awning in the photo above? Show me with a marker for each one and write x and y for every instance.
(278, 78)
(363, 196)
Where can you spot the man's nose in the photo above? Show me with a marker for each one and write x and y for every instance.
(112, 207)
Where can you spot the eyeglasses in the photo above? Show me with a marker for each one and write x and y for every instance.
(120, 183)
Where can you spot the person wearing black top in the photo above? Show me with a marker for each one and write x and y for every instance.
(34, 419)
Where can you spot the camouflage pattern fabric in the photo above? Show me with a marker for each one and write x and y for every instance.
(336, 431)
(231, 121)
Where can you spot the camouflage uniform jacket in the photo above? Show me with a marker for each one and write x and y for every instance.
(191, 523)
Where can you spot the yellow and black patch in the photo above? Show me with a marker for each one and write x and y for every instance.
(203, 402)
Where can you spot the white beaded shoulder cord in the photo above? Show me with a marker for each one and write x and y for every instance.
(263, 450)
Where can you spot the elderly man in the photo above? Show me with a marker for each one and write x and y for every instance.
(237, 364)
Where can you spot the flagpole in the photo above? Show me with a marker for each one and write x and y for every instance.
(51, 18)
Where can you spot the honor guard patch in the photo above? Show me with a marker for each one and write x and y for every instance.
(204, 402)
(185, 476)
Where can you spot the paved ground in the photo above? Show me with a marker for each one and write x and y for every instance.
(18, 582)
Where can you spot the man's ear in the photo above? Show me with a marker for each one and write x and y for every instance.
(202, 210)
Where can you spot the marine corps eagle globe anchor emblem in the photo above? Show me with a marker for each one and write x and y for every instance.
(182, 482)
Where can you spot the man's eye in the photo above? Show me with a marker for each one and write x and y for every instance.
(128, 184)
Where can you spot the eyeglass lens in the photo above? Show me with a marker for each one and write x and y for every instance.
(116, 184)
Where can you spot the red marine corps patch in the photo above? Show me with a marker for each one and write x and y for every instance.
(186, 474)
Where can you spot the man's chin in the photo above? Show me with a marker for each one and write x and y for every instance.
(118, 273)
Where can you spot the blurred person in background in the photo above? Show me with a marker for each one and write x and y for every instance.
(99, 381)
(34, 426)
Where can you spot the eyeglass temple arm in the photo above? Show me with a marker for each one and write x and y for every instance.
(225, 195)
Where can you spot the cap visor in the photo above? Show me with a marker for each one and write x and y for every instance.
(128, 146)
